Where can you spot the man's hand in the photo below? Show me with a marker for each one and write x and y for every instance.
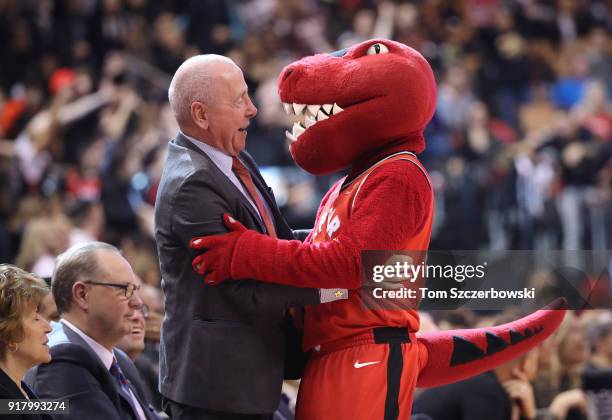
(214, 264)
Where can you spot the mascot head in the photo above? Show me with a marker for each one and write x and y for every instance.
(355, 102)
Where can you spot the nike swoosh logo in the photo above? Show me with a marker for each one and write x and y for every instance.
(360, 365)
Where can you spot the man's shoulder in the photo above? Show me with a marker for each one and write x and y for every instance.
(184, 163)
(72, 352)
(71, 359)
(183, 160)
(65, 346)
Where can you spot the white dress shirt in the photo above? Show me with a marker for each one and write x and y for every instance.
(224, 162)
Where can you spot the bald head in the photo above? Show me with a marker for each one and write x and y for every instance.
(194, 81)
(211, 103)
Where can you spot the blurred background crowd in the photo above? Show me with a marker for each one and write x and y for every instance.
(519, 151)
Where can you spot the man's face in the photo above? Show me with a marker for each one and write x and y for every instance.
(110, 311)
(133, 343)
(230, 112)
(135, 338)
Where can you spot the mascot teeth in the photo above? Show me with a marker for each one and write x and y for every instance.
(297, 129)
(308, 116)
(313, 109)
(310, 122)
(321, 116)
(290, 136)
(298, 108)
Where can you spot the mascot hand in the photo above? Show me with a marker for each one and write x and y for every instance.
(214, 264)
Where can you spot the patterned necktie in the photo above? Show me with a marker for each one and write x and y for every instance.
(116, 372)
(245, 177)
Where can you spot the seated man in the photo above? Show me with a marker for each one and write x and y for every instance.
(95, 292)
(148, 360)
(135, 346)
(133, 343)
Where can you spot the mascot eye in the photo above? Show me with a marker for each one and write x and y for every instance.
(377, 49)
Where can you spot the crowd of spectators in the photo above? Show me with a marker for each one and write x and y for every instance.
(519, 147)
(569, 376)
(519, 151)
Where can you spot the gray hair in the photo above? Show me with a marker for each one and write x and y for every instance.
(193, 82)
(79, 262)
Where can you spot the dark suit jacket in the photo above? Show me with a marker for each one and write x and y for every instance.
(222, 348)
(76, 373)
(9, 390)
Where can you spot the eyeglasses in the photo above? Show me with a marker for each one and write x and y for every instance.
(129, 288)
(144, 308)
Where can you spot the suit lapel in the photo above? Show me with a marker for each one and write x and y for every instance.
(132, 384)
(127, 401)
(125, 395)
(145, 407)
(226, 184)
(75, 338)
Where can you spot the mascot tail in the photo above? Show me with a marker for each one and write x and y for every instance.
(457, 354)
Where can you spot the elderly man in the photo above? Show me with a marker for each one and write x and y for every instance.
(95, 292)
(223, 349)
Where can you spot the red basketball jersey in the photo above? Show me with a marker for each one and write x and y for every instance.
(344, 318)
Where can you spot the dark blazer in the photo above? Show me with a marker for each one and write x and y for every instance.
(223, 347)
(10, 390)
(76, 373)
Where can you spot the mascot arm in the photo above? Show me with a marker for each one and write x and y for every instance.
(391, 205)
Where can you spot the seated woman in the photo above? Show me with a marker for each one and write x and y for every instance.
(23, 332)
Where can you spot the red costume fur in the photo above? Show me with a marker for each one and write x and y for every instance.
(387, 99)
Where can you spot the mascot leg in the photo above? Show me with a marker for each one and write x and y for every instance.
(364, 382)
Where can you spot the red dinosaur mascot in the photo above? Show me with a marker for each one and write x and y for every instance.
(365, 108)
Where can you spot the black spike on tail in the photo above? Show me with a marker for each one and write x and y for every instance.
(458, 354)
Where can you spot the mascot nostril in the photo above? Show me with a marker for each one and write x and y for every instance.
(286, 74)
(366, 110)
